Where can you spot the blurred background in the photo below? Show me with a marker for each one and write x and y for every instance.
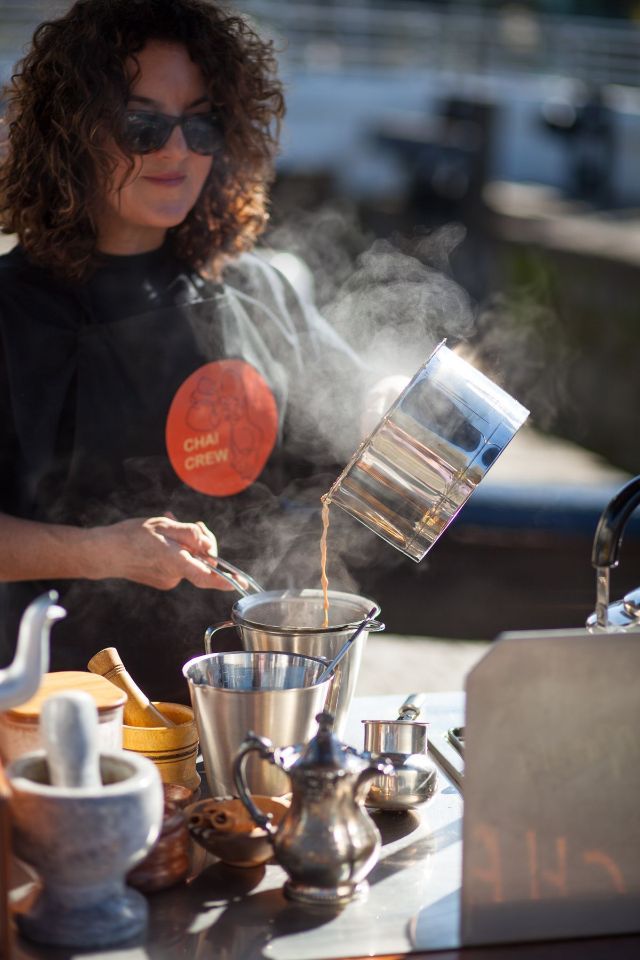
(495, 144)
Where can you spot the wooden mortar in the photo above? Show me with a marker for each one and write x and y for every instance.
(173, 749)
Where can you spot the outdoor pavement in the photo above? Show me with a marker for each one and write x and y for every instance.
(403, 665)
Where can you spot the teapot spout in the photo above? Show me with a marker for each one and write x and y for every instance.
(20, 680)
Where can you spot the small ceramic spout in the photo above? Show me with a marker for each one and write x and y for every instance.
(69, 724)
(20, 680)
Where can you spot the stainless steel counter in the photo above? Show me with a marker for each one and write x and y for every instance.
(413, 903)
(235, 913)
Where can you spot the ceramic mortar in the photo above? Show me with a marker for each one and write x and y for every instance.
(82, 842)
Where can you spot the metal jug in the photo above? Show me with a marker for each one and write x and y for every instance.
(412, 475)
(623, 614)
(326, 842)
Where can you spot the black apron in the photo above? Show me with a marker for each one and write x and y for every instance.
(109, 462)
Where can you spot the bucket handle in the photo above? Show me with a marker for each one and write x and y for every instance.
(210, 631)
(262, 746)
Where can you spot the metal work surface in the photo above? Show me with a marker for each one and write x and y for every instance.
(242, 913)
(413, 904)
(552, 754)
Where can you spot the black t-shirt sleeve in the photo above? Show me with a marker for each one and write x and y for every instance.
(9, 449)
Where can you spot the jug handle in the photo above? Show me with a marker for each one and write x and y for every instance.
(253, 743)
(210, 631)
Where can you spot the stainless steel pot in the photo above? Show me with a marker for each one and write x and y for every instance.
(403, 744)
(290, 621)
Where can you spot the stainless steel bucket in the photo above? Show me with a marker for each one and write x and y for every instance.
(272, 694)
(290, 621)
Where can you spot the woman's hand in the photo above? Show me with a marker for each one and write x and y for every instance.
(158, 552)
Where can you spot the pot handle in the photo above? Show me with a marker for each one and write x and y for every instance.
(608, 536)
(239, 580)
(606, 545)
(210, 631)
(253, 743)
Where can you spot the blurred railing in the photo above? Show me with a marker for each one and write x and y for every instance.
(355, 33)
(18, 19)
(339, 34)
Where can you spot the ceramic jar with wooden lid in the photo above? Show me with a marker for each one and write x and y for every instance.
(20, 727)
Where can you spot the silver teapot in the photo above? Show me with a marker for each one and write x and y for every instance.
(326, 842)
(623, 615)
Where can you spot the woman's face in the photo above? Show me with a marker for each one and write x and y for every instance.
(139, 208)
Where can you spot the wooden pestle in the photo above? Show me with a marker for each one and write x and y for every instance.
(138, 710)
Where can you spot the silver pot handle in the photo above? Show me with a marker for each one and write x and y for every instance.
(210, 631)
(410, 709)
(606, 546)
(234, 575)
(253, 743)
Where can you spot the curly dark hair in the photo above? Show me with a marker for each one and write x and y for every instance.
(65, 99)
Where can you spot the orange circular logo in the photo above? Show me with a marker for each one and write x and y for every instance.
(221, 427)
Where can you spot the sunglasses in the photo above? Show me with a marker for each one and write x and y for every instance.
(146, 132)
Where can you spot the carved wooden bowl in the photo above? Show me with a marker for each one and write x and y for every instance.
(222, 826)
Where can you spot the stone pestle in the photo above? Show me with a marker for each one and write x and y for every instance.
(69, 725)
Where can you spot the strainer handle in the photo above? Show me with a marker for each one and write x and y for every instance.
(253, 744)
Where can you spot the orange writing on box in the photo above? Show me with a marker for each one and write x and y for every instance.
(549, 863)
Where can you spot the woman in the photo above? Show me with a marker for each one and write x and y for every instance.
(150, 367)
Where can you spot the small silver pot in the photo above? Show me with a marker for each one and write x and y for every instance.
(403, 743)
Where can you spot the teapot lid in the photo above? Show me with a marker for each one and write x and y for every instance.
(326, 752)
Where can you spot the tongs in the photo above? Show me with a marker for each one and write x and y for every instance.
(234, 576)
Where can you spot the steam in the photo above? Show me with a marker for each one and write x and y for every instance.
(392, 301)
(400, 301)
(519, 344)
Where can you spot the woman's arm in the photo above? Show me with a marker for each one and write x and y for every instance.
(158, 552)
